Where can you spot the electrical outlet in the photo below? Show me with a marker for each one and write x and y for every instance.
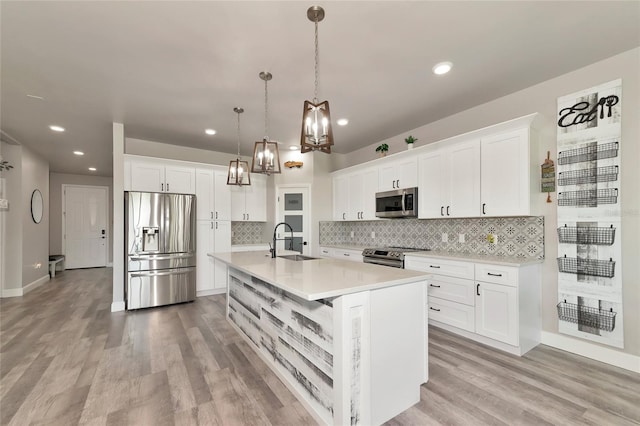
(461, 238)
(373, 234)
(491, 239)
(445, 237)
(353, 234)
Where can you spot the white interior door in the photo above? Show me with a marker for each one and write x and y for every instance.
(294, 209)
(85, 233)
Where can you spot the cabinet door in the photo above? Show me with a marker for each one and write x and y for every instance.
(204, 245)
(256, 199)
(147, 176)
(222, 197)
(387, 177)
(355, 197)
(505, 173)
(204, 194)
(222, 244)
(180, 179)
(238, 207)
(340, 198)
(433, 185)
(407, 173)
(369, 189)
(464, 180)
(496, 312)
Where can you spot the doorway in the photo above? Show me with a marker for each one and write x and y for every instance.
(84, 226)
(293, 206)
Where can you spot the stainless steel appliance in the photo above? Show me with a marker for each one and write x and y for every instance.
(161, 249)
(397, 203)
(387, 256)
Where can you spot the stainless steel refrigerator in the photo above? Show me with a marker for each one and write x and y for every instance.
(161, 249)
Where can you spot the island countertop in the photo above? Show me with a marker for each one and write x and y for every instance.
(318, 278)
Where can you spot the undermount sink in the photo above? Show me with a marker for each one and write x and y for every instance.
(297, 257)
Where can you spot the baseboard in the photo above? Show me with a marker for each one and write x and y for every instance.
(593, 351)
(201, 293)
(117, 306)
(35, 284)
(12, 292)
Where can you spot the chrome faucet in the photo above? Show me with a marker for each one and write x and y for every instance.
(273, 249)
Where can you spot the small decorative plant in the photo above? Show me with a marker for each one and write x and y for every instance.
(382, 149)
(410, 139)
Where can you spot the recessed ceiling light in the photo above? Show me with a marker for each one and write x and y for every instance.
(442, 68)
(93, 169)
(210, 132)
(56, 128)
(78, 152)
(294, 147)
(343, 122)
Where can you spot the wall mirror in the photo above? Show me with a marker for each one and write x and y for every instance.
(37, 206)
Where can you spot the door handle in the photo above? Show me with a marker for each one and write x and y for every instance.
(343, 215)
(216, 225)
(434, 309)
(167, 186)
(212, 215)
(393, 184)
(483, 206)
(247, 216)
(447, 210)
(398, 184)
(441, 210)
(433, 285)
(478, 289)
(216, 215)
(304, 243)
(211, 225)
(162, 187)
(494, 275)
(434, 267)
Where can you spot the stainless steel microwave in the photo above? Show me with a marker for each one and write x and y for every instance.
(397, 203)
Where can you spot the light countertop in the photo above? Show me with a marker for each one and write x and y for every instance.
(476, 258)
(318, 278)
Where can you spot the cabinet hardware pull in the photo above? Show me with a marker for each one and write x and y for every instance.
(441, 210)
(216, 215)
(398, 183)
(167, 186)
(434, 266)
(483, 205)
(162, 187)
(343, 215)
(494, 275)
(247, 216)
(216, 225)
(345, 254)
(393, 184)
(447, 210)
(434, 309)
(433, 285)
(478, 289)
(212, 215)
(211, 225)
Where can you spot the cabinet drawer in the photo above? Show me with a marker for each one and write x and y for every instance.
(353, 255)
(451, 313)
(450, 268)
(453, 289)
(326, 252)
(497, 274)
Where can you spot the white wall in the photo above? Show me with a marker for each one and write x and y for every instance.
(542, 98)
(56, 180)
(13, 219)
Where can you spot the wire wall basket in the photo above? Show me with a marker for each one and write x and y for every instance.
(588, 197)
(587, 235)
(592, 267)
(588, 153)
(588, 316)
(590, 175)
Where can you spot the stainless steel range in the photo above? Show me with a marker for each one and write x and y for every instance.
(387, 256)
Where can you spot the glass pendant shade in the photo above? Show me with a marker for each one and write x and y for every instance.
(317, 134)
(266, 158)
(238, 173)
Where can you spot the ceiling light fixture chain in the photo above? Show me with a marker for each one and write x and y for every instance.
(266, 106)
(238, 111)
(317, 60)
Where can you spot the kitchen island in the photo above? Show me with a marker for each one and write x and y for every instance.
(348, 339)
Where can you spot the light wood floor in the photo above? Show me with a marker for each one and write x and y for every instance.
(65, 359)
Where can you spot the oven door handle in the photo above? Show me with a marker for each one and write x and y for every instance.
(384, 262)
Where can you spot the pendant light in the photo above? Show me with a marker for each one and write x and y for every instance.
(266, 157)
(238, 170)
(317, 134)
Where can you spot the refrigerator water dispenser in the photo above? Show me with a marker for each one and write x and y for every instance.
(150, 239)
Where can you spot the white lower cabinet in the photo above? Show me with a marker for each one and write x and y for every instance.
(341, 253)
(496, 305)
(211, 274)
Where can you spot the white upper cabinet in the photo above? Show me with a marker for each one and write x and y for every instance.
(506, 174)
(354, 195)
(249, 202)
(449, 181)
(152, 175)
(213, 195)
(397, 174)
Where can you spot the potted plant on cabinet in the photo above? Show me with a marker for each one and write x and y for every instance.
(382, 149)
(410, 140)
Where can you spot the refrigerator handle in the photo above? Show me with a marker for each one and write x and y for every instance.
(162, 257)
(163, 273)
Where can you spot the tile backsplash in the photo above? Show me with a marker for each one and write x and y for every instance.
(521, 237)
(247, 232)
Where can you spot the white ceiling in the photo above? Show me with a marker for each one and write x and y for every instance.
(168, 70)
